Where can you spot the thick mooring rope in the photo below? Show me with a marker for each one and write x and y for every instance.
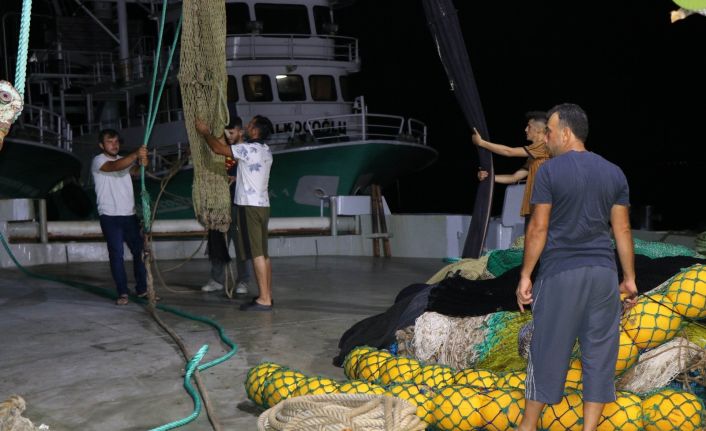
(354, 412)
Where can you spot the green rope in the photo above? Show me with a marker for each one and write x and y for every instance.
(111, 294)
(190, 389)
(152, 111)
(23, 47)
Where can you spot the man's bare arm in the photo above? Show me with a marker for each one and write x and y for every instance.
(516, 176)
(127, 161)
(499, 149)
(620, 223)
(536, 238)
(217, 145)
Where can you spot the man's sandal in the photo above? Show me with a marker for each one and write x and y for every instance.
(122, 300)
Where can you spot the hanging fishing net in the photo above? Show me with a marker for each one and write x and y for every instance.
(203, 81)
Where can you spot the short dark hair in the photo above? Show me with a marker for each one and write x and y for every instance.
(540, 116)
(110, 133)
(574, 117)
(263, 125)
(234, 121)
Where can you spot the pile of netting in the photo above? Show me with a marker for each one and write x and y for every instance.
(468, 399)
(468, 373)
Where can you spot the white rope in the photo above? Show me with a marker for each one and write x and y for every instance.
(659, 366)
(11, 416)
(339, 412)
(448, 340)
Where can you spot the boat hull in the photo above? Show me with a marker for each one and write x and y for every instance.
(31, 170)
(302, 177)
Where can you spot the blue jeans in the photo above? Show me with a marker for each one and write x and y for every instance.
(116, 230)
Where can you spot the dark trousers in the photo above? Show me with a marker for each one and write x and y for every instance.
(116, 230)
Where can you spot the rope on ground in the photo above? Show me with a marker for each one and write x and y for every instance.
(175, 168)
(190, 370)
(154, 99)
(113, 295)
(354, 412)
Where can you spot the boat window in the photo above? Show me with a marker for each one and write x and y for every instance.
(232, 89)
(290, 88)
(349, 87)
(322, 19)
(323, 87)
(257, 88)
(237, 18)
(283, 18)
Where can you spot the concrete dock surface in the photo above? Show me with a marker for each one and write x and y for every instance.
(83, 363)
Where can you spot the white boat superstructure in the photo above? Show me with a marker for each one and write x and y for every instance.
(285, 59)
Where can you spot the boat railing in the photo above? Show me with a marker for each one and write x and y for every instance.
(417, 128)
(44, 126)
(165, 157)
(166, 116)
(70, 65)
(365, 126)
(258, 46)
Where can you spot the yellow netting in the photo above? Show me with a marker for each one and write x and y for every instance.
(473, 399)
(653, 354)
(203, 80)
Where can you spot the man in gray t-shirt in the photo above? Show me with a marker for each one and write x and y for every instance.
(577, 197)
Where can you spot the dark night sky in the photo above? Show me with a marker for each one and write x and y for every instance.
(639, 77)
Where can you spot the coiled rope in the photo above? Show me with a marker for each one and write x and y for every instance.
(354, 412)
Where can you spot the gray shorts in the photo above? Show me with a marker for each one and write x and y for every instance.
(581, 303)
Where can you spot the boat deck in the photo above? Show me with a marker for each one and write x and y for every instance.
(82, 362)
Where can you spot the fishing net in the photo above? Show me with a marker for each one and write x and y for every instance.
(687, 291)
(202, 79)
(656, 368)
(446, 340)
(475, 399)
(695, 333)
(659, 370)
(501, 261)
(472, 269)
(700, 243)
(479, 341)
(361, 412)
(670, 409)
(654, 250)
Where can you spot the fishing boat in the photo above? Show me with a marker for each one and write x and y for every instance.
(285, 60)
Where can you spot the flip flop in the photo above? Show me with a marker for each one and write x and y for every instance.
(122, 300)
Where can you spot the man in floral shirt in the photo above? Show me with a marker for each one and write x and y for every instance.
(254, 160)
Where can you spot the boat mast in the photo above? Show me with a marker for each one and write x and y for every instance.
(123, 38)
